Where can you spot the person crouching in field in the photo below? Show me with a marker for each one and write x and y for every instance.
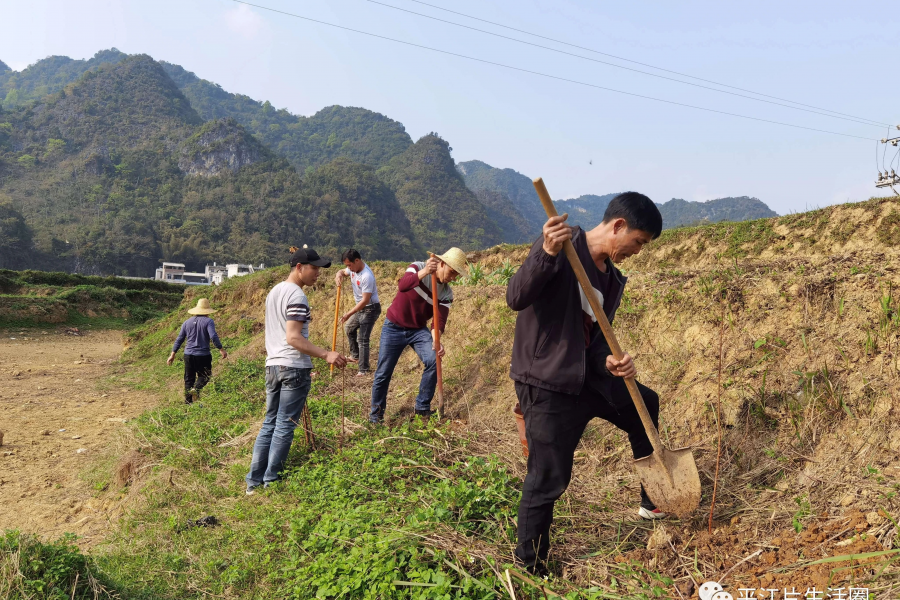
(288, 366)
(198, 331)
(359, 320)
(564, 372)
(406, 324)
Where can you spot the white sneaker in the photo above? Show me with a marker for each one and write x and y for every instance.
(651, 514)
(251, 490)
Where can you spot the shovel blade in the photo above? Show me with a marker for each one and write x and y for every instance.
(671, 480)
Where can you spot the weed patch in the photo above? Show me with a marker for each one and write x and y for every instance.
(32, 569)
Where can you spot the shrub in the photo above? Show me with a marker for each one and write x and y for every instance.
(32, 569)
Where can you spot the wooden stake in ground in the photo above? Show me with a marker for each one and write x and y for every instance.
(337, 316)
(437, 342)
(307, 427)
(712, 504)
(670, 477)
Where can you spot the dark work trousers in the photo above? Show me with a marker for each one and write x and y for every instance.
(358, 329)
(197, 371)
(554, 423)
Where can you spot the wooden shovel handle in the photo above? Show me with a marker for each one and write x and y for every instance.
(337, 316)
(582, 277)
(437, 341)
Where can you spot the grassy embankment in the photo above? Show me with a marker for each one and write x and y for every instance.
(805, 310)
(37, 298)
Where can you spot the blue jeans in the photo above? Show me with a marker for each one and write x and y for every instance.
(286, 391)
(394, 340)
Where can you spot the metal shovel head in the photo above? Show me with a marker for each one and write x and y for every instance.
(671, 480)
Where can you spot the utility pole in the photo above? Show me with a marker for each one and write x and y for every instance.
(889, 179)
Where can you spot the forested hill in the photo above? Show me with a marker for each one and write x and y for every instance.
(678, 212)
(47, 76)
(588, 210)
(116, 171)
(127, 161)
(307, 142)
(436, 199)
(515, 188)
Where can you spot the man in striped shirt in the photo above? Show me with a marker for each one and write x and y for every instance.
(406, 324)
(288, 367)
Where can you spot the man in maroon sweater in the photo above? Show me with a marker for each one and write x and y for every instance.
(406, 324)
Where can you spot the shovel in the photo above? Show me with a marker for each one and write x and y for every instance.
(669, 476)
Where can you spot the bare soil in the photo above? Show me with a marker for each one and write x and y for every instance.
(60, 410)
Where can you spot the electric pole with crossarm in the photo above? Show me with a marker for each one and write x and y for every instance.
(889, 179)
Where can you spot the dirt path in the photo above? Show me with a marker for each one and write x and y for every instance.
(58, 422)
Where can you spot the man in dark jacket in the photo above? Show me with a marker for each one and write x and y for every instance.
(564, 372)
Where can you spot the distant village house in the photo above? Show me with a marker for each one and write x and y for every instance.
(213, 274)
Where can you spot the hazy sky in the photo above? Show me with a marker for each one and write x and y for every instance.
(833, 55)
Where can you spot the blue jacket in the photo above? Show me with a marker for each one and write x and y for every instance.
(198, 331)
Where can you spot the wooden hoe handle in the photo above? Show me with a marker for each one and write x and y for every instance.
(337, 316)
(580, 273)
(437, 341)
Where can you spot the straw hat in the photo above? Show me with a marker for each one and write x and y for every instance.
(456, 258)
(202, 308)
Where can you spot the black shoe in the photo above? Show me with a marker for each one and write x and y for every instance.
(425, 414)
(188, 398)
(538, 569)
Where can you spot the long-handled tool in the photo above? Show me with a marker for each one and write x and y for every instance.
(337, 316)
(437, 341)
(669, 476)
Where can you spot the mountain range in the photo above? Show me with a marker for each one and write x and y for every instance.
(507, 187)
(111, 164)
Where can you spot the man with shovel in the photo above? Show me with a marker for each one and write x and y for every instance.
(564, 371)
(406, 324)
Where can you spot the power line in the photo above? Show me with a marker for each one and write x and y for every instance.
(547, 75)
(603, 62)
(641, 63)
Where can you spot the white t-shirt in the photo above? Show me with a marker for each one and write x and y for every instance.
(286, 302)
(363, 282)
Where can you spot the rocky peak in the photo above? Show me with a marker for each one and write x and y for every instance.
(220, 145)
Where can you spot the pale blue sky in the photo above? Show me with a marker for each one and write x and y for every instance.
(835, 55)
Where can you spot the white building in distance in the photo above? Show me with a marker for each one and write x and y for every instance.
(215, 274)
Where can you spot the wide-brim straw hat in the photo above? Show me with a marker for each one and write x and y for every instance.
(456, 258)
(202, 308)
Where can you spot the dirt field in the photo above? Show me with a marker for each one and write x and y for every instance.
(60, 416)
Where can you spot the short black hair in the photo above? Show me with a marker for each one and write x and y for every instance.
(638, 210)
(350, 255)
